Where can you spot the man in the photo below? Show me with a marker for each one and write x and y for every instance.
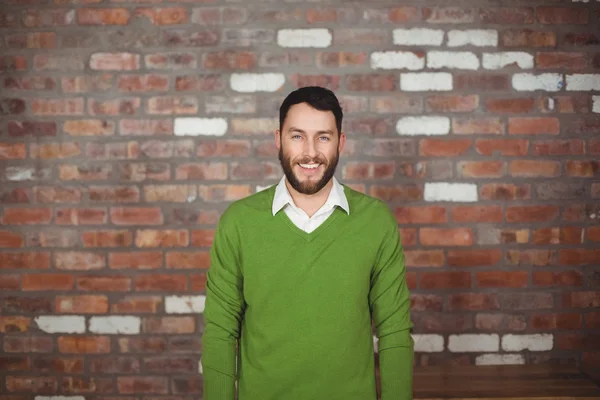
(300, 271)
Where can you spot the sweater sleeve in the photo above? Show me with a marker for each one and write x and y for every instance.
(223, 314)
(390, 308)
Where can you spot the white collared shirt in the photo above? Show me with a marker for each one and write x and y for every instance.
(283, 199)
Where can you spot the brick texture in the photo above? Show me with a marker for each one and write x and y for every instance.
(128, 126)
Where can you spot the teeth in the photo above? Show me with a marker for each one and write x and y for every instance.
(309, 166)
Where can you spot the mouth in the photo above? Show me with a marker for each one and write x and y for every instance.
(309, 168)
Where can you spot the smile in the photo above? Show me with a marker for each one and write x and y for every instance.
(309, 166)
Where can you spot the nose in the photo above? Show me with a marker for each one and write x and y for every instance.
(310, 148)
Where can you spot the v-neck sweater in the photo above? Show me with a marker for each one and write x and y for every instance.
(297, 308)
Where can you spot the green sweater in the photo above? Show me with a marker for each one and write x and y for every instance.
(299, 306)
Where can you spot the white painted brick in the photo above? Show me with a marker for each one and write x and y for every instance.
(249, 82)
(500, 60)
(116, 324)
(470, 342)
(583, 82)
(455, 192)
(533, 342)
(184, 304)
(59, 398)
(397, 60)
(500, 359)
(426, 81)
(418, 37)
(316, 37)
(61, 324)
(426, 125)
(596, 104)
(449, 59)
(428, 343)
(525, 82)
(200, 126)
(475, 37)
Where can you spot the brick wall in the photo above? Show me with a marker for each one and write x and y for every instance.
(128, 126)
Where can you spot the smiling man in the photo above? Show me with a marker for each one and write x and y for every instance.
(299, 273)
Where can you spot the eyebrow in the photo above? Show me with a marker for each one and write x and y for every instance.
(325, 132)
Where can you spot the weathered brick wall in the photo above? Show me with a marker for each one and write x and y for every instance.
(128, 126)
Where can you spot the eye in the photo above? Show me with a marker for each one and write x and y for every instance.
(296, 136)
(325, 138)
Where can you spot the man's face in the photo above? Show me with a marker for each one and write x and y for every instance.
(309, 148)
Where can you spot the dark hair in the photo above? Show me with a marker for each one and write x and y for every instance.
(317, 97)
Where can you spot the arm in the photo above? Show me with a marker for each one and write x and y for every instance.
(223, 314)
(390, 308)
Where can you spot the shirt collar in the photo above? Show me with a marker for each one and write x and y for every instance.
(336, 197)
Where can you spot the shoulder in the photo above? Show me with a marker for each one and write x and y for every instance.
(372, 208)
(248, 207)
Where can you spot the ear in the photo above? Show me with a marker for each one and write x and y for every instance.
(278, 139)
(342, 142)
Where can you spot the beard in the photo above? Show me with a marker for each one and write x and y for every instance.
(308, 187)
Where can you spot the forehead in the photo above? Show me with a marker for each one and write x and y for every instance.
(305, 117)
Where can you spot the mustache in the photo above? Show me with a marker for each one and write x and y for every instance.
(317, 160)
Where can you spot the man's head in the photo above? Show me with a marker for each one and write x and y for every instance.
(310, 138)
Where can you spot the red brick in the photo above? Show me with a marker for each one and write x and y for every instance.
(114, 365)
(474, 258)
(421, 215)
(424, 258)
(582, 168)
(360, 37)
(444, 148)
(561, 60)
(201, 171)
(188, 260)
(493, 126)
(474, 301)
(394, 15)
(142, 345)
(187, 385)
(371, 82)
(136, 216)
(581, 39)
(425, 302)
(168, 325)
(32, 40)
(103, 16)
(592, 234)
(28, 344)
(341, 59)
(592, 320)
(197, 282)
(533, 126)
(161, 238)
(10, 239)
(578, 256)
(14, 363)
(14, 324)
(143, 83)
(510, 105)
(57, 107)
(502, 279)
(452, 103)
(408, 236)
(588, 299)
(445, 280)
(10, 282)
(229, 60)
(441, 322)
(531, 168)
(555, 321)
(89, 127)
(82, 216)
(331, 82)
(505, 191)
(446, 236)
(562, 235)
(104, 283)
(47, 282)
(13, 63)
(577, 341)
(165, 105)
(500, 322)
(54, 150)
(557, 147)
(84, 172)
(31, 128)
(370, 126)
(220, 193)
(512, 15)
(504, 147)
(199, 83)
(37, 260)
(45, 194)
(170, 364)
(482, 169)
(562, 15)
(531, 213)
(146, 127)
(161, 282)
(477, 213)
(33, 83)
(169, 193)
(82, 304)
(84, 344)
(172, 60)
(530, 257)
(164, 15)
(562, 278)
(487, 82)
(135, 260)
(78, 260)
(141, 385)
(356, 170)
(113, 151)
(137, 304)
(32, 384)
(448, 15)
(137, 172)
(203, 238)
(122, 106)
(15, 195)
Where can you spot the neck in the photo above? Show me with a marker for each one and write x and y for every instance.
(310, 203)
